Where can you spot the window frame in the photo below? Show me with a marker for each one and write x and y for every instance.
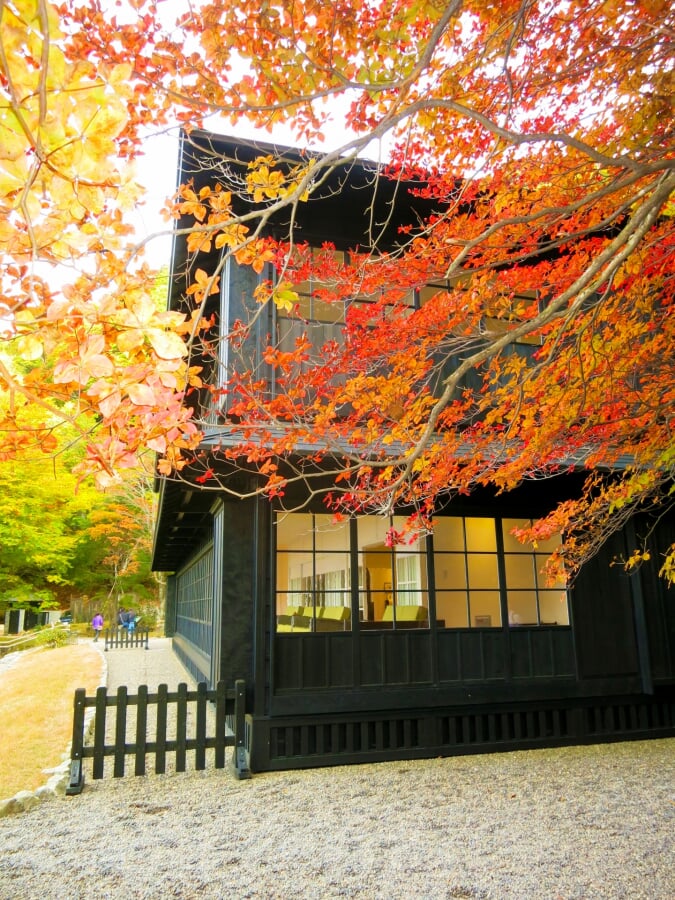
(480, 603)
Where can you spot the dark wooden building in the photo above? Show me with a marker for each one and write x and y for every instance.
(355, 651)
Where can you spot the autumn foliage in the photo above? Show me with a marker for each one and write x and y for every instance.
(541, 132)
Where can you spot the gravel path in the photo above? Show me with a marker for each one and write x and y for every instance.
(580, 822)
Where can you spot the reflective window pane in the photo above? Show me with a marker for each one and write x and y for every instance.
(485, 609)
(554, 608)
(522, 607)
(483, 571)
(480, 535)
(452, 609)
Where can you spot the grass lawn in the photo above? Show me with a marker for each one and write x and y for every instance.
(36, 711)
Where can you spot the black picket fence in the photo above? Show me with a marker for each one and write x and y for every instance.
(230, 730)
(120, 637)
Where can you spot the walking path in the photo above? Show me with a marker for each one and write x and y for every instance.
(154, 666)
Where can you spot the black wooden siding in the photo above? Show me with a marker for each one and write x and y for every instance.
(391, 658)
(283, 743)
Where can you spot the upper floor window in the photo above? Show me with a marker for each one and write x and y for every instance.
(314, 315)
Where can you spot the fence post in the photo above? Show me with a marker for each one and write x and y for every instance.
(76, 779)
(240, 756)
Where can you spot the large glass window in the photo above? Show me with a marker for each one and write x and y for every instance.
(467, 573)
(483, 576)
(468, 587)
(393, 592)
(313, 574)
(530, 600)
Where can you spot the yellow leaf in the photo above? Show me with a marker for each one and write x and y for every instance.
(166, 344)
(129, 340)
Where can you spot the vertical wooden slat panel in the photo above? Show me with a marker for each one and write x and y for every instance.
(320, 744)
(349, 732)
(162, 703)
(363, 736)
(181, 726)
(99, 732)
(221, 710)
(141, 729)
(298, 739)
(200, 735)
(304, 740)
(492, 727)
(120, 731)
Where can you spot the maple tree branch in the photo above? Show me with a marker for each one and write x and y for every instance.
(601, 270)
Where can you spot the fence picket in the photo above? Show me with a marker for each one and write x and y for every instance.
(160, 759)
(200, 730)
(99, 731)
(181, 727)
(120, 731)
(221, 712)
(141, 729)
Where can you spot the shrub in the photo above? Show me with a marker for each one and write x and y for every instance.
(51, 637)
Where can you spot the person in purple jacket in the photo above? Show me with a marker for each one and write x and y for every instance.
(97, 625)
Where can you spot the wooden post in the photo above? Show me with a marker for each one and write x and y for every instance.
(639, 615)
(240, 757)
(221, 740)
(76, 780)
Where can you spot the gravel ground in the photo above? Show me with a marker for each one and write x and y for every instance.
(580, 822)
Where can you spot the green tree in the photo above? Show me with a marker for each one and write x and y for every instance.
(61, 536)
